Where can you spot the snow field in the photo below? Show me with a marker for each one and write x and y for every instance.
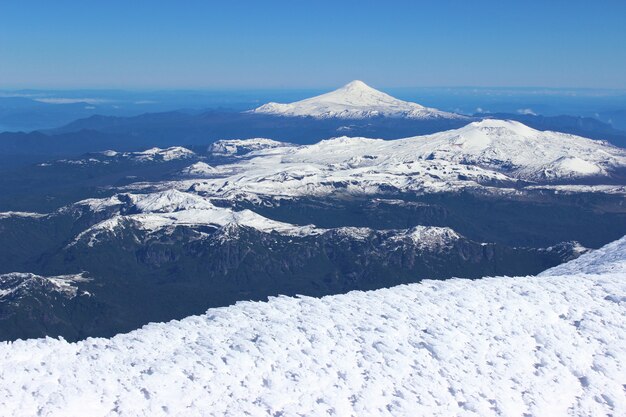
(540, 346)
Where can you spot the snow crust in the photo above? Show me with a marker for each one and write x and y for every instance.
(527, 346)
(355, 100)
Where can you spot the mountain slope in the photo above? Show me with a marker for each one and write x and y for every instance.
(526, 152)
(610, 259)
(550, 345)
(355, 100)
(489, 153)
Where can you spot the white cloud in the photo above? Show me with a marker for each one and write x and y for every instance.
(527, 111)
(63, 100)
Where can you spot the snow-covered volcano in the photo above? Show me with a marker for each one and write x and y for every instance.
(512, 147)
(355, 100)
(482, 153)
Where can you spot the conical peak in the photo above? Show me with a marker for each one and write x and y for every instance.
(355, 100)
(357, 85)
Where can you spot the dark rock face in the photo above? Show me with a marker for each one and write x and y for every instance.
(137, 277)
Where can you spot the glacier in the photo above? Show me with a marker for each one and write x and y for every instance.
(549, 345)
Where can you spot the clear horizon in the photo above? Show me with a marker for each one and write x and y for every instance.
(518, 89)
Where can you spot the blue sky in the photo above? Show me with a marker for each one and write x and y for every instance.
(317, 44)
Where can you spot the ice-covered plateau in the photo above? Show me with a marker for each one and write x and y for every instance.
(485, 153)
(355, 100)
(552, 345)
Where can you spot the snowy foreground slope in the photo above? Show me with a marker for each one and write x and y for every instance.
(540, 346)
(610, 259)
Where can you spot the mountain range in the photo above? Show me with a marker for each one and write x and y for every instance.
(355, 110)
(167, 215)
(112, 240)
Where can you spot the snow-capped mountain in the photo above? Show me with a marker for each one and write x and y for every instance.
(543, 346)
(254, 218)
(160, 211)
(198, 169)
(16, 286)
(34, 304)
(526, 153)
(489, 152)
(355, 100)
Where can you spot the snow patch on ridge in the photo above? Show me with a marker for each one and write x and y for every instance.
(18, 285)
(238, 147)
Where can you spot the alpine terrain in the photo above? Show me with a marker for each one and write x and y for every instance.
(109, 241)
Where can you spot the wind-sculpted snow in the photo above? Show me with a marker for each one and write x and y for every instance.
(528, 346)
(608, 259)
(355, 100)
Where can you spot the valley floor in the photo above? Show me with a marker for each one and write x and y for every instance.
(550, 345)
